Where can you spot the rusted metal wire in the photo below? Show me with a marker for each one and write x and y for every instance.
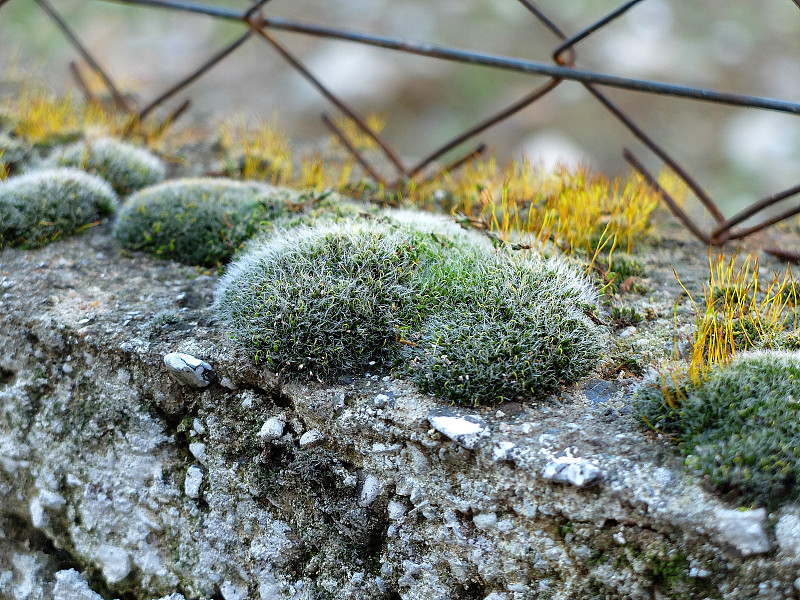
(564, 69)
(119, 99)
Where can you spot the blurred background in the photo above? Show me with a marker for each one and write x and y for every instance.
(748, 47)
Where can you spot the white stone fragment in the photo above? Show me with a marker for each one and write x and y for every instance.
(227, 383)
(189, 370)
(70, 586)
(198, 426)
(500, 450)
(198, 450)
(114, 563)
(395, 510)
(272, 429)
(465, 430)
(496, 596)
(231, 591)
(38, 516)
(175, 596)
(487, 520)
(369, 491)
(193, 481)
(311, 438)
(572, 470)
(743, 529)
(51, 500)
(787, 532)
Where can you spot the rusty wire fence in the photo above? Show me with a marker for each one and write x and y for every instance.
(562, 67)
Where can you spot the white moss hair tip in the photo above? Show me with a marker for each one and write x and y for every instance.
(436, 223)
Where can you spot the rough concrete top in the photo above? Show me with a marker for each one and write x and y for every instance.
(118, 479)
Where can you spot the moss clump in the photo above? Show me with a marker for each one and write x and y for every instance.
(323, 300)
(510, 327)
(740, 426)
(471, 324)
(126, 167)
(42, 206)
(197, 221)
(15, 153)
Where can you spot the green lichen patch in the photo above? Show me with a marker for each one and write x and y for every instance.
(512, 327)
(323, 300)
(126, 167)
(197, 221)
(42, 206)
(740, 426)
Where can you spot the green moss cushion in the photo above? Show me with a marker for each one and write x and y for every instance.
(42, 206)
(325, 300)
(197, 221)
(511, 327)
(126, 167)
(468, 323)
(740, 427)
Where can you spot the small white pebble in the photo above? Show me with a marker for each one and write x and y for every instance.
(311, 439)
(485, 520)
(272, 429)
(369, 491)
(198, 426)
(115, 563)
(198, 450)
(395, 510)
(193, 481)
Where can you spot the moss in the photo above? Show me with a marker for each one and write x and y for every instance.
(740, 427)
(622, 273)
(197, 221)
(473, 325)
(126, 167)
(324, 300)
(625, 317)
(510, 326)
(15, 154)
(43, 206)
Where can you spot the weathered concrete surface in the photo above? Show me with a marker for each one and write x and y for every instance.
(118, 481)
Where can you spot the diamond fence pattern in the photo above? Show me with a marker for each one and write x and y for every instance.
(257, 23)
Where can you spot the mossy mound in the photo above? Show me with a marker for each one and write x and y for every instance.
(126, 167)
(15, 153)
(509, 327)
(740, 427)
(198, 221)
(324, 300)
(41, 206)
(472, 325)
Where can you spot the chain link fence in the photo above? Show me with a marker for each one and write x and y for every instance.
(561, 68)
